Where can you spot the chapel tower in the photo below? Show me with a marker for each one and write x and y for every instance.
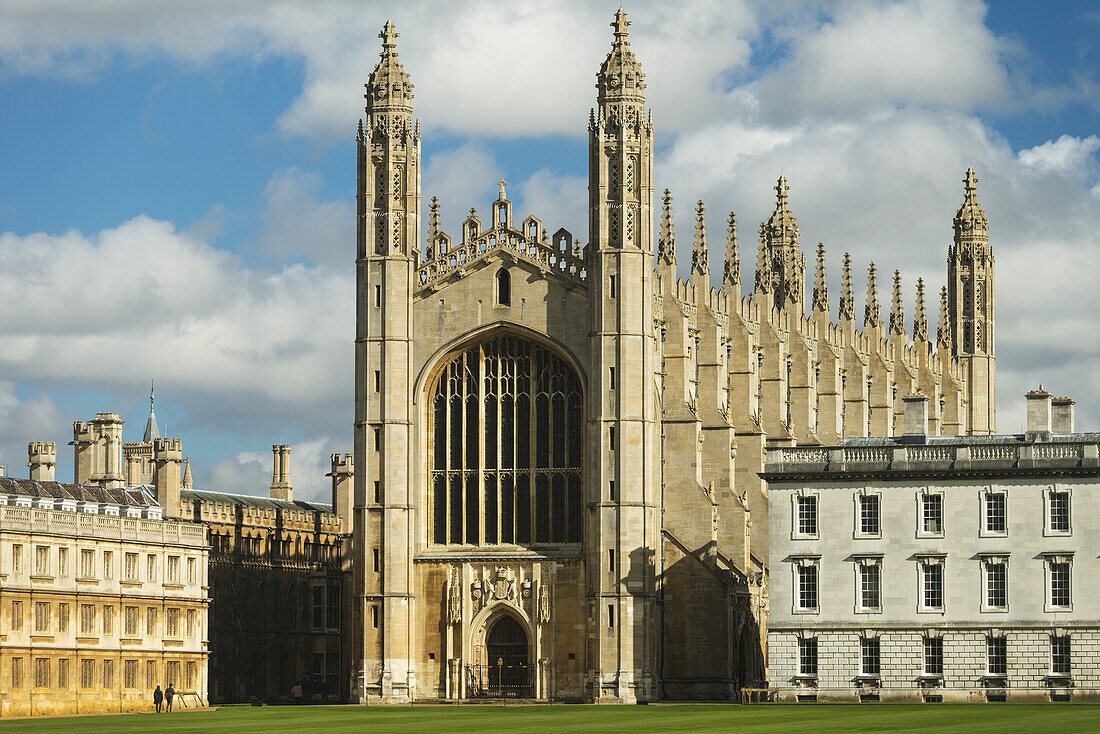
(388, 233)
(970, 296)
(622, 400)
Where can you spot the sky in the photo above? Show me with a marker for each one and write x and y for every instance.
(177, 182)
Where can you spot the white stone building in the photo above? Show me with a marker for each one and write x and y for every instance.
(938, 568)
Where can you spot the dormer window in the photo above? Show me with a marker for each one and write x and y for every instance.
(504, 288)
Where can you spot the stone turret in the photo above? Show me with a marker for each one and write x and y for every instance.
(343, 488)
(281, 488)
(785, 262)
(42, 460)
(97, 449)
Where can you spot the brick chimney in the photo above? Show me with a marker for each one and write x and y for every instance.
(1038, 415)
(280, 476)
(1061, 415)
(915, 419)
(42, 459)
(167, 457)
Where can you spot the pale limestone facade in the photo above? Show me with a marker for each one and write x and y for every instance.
(101, 600)
(623, 530)
(968, 563)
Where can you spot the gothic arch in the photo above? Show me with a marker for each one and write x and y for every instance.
(483, 622)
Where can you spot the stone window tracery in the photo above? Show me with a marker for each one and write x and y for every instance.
(506, 447)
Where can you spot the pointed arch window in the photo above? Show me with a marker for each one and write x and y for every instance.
(504, 288)
(506, 447)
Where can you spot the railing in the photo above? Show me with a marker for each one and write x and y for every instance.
(101, 526)
(499, 681)
(960, 455)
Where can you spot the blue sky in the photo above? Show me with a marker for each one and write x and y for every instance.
(177, 181)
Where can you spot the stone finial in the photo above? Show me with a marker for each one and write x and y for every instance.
(847, 307)
(920, 318)
(943, 330)
(897, 312)
(763, 266)
(666, 242)
(821, 287)
(620, 77)
(502, 196)
(700, 256)
(731, 273)
(389, 85)
(871, 312)
(433, 229)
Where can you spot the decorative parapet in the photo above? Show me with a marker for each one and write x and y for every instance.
(1080, 452)
(83, 525)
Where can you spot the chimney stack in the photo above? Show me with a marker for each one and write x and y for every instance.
(343, 488)
(280, 477)
(167, 457)
(915, 420)
(1061, 415)
(1038, 415)
(42, 459)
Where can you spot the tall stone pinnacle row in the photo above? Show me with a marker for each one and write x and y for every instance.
(871, 313)
(847, 306)
(666, 241)
(897, 312)
(700, 254)
(821, 286)
(731, 271)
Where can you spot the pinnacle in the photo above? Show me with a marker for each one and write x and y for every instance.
(700, 257)
(847, 299)
(920, 320)
(897, 314)
(731, 275)
(871, 314)
(666, 242)
(389, 36)
(821, 287)
(620, 24)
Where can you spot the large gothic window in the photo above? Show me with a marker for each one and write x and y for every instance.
(506, 436)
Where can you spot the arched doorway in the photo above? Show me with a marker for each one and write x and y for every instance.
(506, 648)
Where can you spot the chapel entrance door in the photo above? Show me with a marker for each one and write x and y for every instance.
(509, 672)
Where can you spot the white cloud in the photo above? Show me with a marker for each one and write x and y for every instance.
(1067, 155)
(296, 223)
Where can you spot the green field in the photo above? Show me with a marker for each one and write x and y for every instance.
(486, 719)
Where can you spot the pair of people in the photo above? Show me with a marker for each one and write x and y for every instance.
(164, 698)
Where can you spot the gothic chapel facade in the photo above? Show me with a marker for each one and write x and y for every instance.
(557, 448)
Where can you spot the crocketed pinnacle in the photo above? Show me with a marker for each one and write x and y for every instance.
(433, 227)
(188, 482)
(731, 273)
(871, 312)
(821, 288)
(897, 314)
(389, 86)
(782, 228)
(920, 319)
(700, 257)
(763, 265)
(666, 242)
(151, 430)
(847, 307)
(620, 77)
(943, 332)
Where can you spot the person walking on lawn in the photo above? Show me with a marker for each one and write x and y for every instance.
(169, 694)
(158, 698)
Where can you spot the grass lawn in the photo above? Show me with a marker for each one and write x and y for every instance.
(486, 719)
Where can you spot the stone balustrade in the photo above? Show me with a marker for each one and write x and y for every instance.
(102, 526)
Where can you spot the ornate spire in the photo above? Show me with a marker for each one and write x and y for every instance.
(871, 314)
(151, 429)
(620, 78)
(943, 331)
(731, 273)
(785, 259)
(389, 86)
(971, 224)
(897, 313)
(847, 308)
(821, 287)
(666, 243)
(920, 320)
(763, 266)
(700, 257)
